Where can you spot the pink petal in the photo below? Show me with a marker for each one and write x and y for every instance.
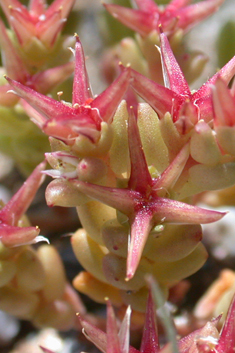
(81, 87)
(147, 5)
(140, 179)
(226, 73)
(46, 106)
(37, 7)
(113, 345)
(172, 211)
(35, 117)
(46, 350)
(64, 6)
(224, 104)
(160, 98)
(17, 236)
(195, 13)
(227, 336)
(141, 226)
(177, 4)
(171, 174)
(120, 199)
(49, 29)
(150, 341)
(11, 60)
(94, 334)
(140, 21)
(124, 332)
(188, 116)
(19, 203)
(7, 6)
(107, 102)
(45, 81)
(188, 342)
(173, 76)
(23, 26)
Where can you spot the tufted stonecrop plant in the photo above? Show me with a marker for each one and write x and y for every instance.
(130, 166)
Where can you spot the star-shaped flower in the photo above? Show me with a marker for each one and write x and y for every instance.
(12, 229)
(176, 15)
(38, 22)
(85, 115)
(15, 67)
(205, 339)
(186, 108)
(145, 200)
(224, 115)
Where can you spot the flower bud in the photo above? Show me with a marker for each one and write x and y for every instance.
(60, 192)
(91, 169)
(84, 147)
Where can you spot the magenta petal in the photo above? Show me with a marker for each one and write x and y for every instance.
(223, 103)
(22, 25)
(107, 102)
(113, 345)
(140, 229)
(94, 334)
(185, 344)
(147, 5)
(227, 336)
(37, 7)
(12, 62)
(7, 5)
(226, 73)
(17, 236)
(177, 4)
(50, 29)
(64, 6)
(46, 350)
(19, 203)
(140, 21)
(124, 332)
(172, 211)
(173, 76)
(195, 13)
(159, 97)
(46, 80)
(120, 199)
(150, 341)
(140, 179)
(81, 87)
(171, 174)
(46, 106)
